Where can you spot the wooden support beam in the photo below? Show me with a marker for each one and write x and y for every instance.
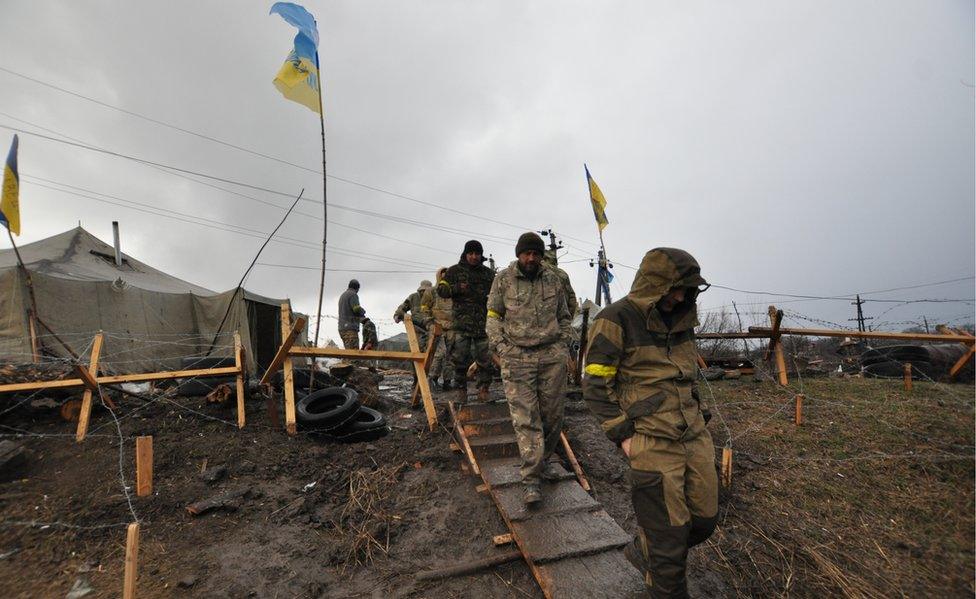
(766, 331)
(908, 377)
(35, 345)
(131, 561)
(482, 488)
(798, 417)
(726, 467)
(86, 400)
(775, 344)
(288, 340)
(239, 362)
(961, 362)
(428, 358)
(289, 379)
(573, 462)
(459, 430)
(354, 354)
(420, 370)
(144, 466)
(121, 378)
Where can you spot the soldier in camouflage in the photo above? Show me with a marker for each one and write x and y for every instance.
(413, 305)
(350, 315)
(438, 311)
(467, 284)
(641, 372)
(529, 329)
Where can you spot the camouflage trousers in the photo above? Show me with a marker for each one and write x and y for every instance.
(350, 339)
(440, 365)
(464, 351)
(674, 488)
(535, 387)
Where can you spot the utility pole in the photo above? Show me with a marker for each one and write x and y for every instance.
(860, 315)
(553, 243)
(926, 321)
(603, 277)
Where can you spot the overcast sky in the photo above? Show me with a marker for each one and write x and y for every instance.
(817, 148)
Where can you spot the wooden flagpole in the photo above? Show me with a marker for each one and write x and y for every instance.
(325, 206)
(32, 311)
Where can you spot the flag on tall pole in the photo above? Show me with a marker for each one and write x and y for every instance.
(10, 201)
(298, 78)
(599, 202)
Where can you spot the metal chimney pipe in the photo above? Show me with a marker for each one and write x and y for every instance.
(118, 248)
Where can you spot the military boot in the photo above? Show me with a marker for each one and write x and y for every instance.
(483, 395)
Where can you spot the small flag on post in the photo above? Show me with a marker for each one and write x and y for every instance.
(599, 202)
(298, 78)
(10, 202)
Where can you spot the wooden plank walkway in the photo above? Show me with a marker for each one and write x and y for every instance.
(571, 544)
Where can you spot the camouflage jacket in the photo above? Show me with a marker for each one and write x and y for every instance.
(527, 312)
(641, 374)
(350, 312)
(571, 302)
(369, 335)
(437, 308)
(413, 305)
(468, 303)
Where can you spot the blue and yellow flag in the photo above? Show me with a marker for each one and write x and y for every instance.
(599, 202)
(298, 78)
(10, 201)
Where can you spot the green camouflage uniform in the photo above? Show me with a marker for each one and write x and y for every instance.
(528, 328)
(641, 369)
(468, 319)
(413, 305)
(438, 309)
(369, 335)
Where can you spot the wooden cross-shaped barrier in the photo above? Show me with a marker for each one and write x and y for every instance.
(289, 350)
(775, 348)
(91, 381)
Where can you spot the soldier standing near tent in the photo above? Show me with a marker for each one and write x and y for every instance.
(529, 330)
(350, 315)
(641, 369)
(439, 312)
(467, 283)
(412, 305)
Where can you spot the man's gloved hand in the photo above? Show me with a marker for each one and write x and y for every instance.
(707, 415)
(397, 318)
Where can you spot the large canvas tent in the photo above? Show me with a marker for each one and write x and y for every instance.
(151, 319)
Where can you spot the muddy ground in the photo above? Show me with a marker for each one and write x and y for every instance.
(379, 512)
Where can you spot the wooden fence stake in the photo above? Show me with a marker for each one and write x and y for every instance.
(726, 467)
(289, 379)
(908, 377)
(776, 344)
(420, 368)
(799, 409)
(432, 341)
(239, 362)
(131, 561)
(86, 399)
(144, 466)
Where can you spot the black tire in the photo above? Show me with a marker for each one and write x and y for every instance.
(370, 434)
(367, 425)
(329, 408)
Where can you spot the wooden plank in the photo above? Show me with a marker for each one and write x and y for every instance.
(86, 400)
(61, 384)
(776, 345)
(420, 370)
(288, 340)
(239, 362)
(429, 356)
(961, 362)
(907, 369)
(459, 431)
(606, 575)
(488, 426)
(557, 498)
(765, 331)
(289, 378)
(504, 539)
(144, 466)
(483, 411)
(166, 375)
(798, 415)
(131, 561)
(505, 472)
(35, 345)
(571, 456)
(494, 446)
(354, 354)
(86, 377)
(547, 539)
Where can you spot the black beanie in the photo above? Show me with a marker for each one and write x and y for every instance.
(530, 241)
(474, 246)
(354, 284)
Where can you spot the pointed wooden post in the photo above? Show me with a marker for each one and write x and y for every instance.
(776, 345)
(131, 561)
(908, 377)
(726, 467)
(239, 362)
(431, 348)
(289, 379)
(420, 368)
(798, 418)
(86, 399)
(144, 466)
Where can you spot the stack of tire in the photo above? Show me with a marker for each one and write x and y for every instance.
(335, 414)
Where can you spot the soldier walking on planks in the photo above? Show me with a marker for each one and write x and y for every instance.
(350, 315)
(439, 312)
(467, 283)
(529, 330)
(641, 370)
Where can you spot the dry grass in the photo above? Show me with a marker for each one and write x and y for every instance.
(872, 497)
(363, 524)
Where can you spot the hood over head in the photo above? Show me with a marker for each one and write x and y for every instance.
(661, 270)
(424, 286)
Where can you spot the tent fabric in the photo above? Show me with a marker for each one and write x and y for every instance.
(151, 319)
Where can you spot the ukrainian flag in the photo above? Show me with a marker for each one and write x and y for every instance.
(298, 78)
(599, 202)
(10, 201)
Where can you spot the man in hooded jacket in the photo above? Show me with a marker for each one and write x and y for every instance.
(439, 311)
(641, 370)
(414, 304)
(467, 283)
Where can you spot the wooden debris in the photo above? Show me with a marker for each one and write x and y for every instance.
(229, 500)
(504, 539)
(470, 567)
(220, 393)
(144, 466)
